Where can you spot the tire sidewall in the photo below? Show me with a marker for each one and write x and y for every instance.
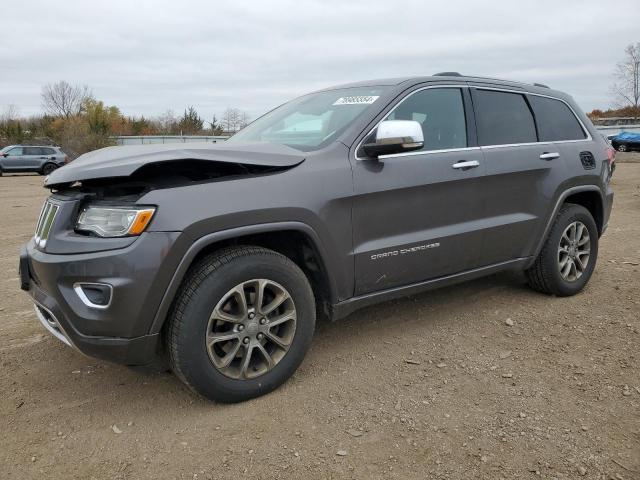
(195, 364)
(561, 286)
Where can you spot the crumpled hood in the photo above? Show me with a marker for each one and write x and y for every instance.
(125, 160)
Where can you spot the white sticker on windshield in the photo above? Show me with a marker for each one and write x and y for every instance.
(357, 100)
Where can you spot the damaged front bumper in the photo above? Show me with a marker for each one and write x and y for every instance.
(118, 328)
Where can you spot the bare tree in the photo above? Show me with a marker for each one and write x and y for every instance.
(230, 119)
(245, 119)
(167, 122)
(627, 74)
(64, 100)
(233, 120)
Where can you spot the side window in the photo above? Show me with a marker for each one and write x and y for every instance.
(31, 151)
(15, 152)
(47, 151)
(556, 121)
(503, 118)
(440, 111)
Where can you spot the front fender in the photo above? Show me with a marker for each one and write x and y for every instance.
(201, 243)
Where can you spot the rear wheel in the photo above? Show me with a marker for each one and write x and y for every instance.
(622, 147)
(48, 168)
(568, 256)
(241, 324)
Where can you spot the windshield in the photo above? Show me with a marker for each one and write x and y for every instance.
(312, 121)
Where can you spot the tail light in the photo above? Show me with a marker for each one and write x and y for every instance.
(611, 159)
(611, 156)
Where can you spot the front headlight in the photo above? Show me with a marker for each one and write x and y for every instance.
(114, 221)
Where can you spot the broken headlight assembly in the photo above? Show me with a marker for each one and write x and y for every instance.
(114, 221)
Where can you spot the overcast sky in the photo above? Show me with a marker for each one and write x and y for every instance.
(150, 56)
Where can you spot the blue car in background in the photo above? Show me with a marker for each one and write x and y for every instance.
(626, 142)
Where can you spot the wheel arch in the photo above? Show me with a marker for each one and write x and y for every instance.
(592, 201)
(298, 241)
(48, 162)
(588, 196)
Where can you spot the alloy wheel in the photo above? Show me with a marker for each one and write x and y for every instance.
(574, 251)
(251, 329)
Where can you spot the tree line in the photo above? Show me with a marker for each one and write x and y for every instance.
(76, 121)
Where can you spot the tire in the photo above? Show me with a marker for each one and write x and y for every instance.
(546, 274)
(622, 147)
(217, 279)
(48, 168)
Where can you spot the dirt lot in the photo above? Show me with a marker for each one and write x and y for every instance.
(433, 386)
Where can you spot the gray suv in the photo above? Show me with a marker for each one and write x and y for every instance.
(30, 158)
(219, 258)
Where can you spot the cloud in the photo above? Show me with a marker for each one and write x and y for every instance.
(149, 56)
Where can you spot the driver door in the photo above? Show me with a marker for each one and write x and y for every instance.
(14, 159)
(418, 215)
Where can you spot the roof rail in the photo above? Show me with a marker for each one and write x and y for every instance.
(458, 74)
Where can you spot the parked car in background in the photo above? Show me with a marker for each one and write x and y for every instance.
(626, 142)
(31, 158)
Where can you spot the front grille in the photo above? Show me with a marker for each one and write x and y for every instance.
(45, 222)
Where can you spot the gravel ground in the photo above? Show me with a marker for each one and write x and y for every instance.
(482, 380)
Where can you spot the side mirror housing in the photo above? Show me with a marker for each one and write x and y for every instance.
(395, 136)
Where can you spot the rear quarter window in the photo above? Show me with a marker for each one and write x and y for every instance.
(556, 121)
(503, 118)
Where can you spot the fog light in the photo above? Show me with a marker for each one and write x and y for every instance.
(94, 295)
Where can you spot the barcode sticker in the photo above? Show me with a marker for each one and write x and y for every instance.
(357, 100)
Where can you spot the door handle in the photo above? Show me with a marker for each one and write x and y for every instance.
(549, 156)
(466, 165)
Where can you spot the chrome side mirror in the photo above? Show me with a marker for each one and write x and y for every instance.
(395, 136)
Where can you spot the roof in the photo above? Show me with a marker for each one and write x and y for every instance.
(448, 77)
(30, 145)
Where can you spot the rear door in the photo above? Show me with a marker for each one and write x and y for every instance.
(522, 173)
(32, 158)
(417, 215)
(558, 123)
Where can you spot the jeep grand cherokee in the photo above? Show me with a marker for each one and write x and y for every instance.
(220, 257)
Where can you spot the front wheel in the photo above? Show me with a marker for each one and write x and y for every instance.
(568, 256)
(622, 148)
(241, 324)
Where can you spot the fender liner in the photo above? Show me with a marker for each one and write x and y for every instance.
(563, 196)
(201, 243)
